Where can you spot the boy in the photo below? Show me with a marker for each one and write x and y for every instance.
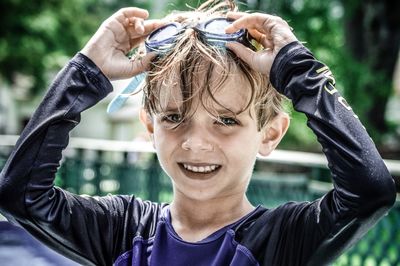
(208, 113)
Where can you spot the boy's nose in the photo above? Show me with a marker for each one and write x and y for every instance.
(196, 144)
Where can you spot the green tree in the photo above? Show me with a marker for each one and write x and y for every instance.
(372, 30)
(38, 37)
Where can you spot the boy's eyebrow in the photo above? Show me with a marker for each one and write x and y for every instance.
(228, 110)
(172, 109)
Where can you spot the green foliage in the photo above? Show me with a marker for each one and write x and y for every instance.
(38, 37)
(35, 32)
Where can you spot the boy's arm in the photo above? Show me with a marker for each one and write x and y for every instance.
(79, 227)
(91, 230)
(363, 188)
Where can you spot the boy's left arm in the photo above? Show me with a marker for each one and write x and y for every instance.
(363, 187)
(316, 233)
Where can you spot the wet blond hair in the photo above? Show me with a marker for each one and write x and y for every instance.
(191, 56)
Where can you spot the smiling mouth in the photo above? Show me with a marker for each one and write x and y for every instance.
(202, 169)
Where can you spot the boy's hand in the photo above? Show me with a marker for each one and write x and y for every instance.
(272, 32)
(117, 35)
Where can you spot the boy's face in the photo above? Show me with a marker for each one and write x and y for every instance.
(208, 158)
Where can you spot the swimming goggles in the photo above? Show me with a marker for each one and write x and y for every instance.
(211, 32)
(161, 40)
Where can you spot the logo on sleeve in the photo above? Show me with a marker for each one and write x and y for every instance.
(331, 89)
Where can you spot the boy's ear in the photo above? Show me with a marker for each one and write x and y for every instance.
(146, 120)
(273, 133)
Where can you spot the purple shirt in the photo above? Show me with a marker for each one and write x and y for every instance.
(167, 248)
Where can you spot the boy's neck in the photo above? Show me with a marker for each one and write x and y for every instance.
(194, 220)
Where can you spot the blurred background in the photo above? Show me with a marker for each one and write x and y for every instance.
(358, 40)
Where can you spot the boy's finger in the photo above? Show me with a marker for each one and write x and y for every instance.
(139, 28)
(260, 22)
(135, 27)
(124, 15)
(235, 15)
(241, 51)
(152, 24)
(141, 64)
(261, 38)
(133, 12)
(256, 34)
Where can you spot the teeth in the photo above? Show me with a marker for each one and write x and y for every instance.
(200, 169)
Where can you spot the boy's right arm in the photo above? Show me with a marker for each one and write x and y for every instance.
(92, 231)
(27, 194)
(89, 230)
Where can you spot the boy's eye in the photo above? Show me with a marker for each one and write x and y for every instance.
(172, 118)
(227, 121)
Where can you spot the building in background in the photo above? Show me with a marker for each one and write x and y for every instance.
(16, 109)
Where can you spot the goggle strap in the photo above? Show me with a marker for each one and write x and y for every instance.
(130, 89)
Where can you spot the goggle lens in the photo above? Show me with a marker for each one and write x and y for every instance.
(163, 33)
(217, 26)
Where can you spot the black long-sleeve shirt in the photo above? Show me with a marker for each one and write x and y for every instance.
(128, 231)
